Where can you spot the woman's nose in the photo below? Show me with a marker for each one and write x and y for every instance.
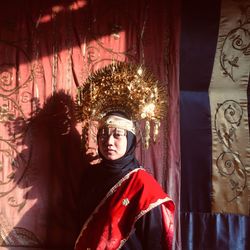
(110, 140)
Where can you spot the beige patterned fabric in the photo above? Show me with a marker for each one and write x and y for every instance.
(229, 111)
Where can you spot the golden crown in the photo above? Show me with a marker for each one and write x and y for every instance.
(124, 87)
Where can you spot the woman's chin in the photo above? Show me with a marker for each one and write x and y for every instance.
(112, 156)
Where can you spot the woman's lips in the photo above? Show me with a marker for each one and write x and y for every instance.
(109, 150)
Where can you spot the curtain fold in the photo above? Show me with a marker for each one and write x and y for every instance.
(215, 231)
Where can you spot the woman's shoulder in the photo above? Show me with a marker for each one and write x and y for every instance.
(144, 177)
(144, 173)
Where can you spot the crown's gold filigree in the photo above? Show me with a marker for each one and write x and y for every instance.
(124, 87)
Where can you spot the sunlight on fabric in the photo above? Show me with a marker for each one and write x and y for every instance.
(56, 9)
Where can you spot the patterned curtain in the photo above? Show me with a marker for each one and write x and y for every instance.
(47, 49)
(215, 143)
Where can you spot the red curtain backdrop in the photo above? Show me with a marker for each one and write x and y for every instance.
(47, 49)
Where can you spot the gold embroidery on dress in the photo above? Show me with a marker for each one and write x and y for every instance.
(125, 202)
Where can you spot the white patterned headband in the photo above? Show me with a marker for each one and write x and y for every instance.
(114, 121)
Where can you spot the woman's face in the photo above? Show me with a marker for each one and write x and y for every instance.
(112, 142)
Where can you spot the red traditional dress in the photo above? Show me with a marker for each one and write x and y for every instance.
(111, 223)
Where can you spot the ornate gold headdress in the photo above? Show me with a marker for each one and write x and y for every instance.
(124, 87)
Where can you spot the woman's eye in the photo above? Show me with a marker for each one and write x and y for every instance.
(117, 135)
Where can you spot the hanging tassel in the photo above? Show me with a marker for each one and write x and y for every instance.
(85, 136)
(156, 130)
(147, 134)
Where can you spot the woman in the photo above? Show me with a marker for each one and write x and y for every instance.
(124, 207)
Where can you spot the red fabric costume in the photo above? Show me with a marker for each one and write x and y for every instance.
(110, 224)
